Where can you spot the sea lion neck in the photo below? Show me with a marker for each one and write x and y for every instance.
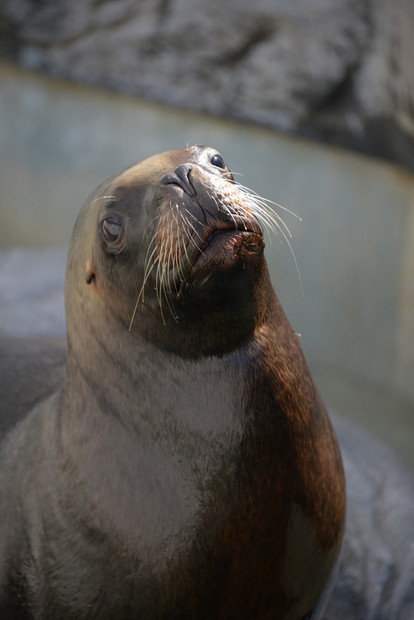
(211, 318)
(193, 328)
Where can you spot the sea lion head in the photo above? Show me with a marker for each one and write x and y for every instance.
(172, 249)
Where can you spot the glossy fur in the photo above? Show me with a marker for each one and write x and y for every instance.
(186, 468)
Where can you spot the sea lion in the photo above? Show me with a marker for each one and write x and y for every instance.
(187, 467)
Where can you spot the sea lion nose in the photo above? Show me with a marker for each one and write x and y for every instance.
(180, 177)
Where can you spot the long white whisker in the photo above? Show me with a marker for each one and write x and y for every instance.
(261, 209)
(147, 273)
(109, 198)
(251, 192)
(194, 230)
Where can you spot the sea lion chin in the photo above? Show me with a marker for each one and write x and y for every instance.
(187, 466)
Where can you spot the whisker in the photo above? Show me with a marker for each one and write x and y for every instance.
(265, 215)
(111, 198)
(195, 231)
(147, 273)
(252, 193)
(154, 219)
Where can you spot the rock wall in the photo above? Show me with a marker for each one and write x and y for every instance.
(341, 71)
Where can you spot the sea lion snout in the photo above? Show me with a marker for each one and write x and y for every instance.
(180, 177)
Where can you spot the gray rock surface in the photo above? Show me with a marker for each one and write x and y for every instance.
(336, 70)
(376, 576)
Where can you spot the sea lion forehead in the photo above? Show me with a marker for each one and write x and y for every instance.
(151, 170)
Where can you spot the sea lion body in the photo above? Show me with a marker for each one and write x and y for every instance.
(187, 467)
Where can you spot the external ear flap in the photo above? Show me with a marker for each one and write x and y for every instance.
(89, 273)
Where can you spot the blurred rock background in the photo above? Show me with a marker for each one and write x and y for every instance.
(340, 71)
(313, 100)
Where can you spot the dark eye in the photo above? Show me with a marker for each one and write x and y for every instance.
(112, 229)
(218, 161)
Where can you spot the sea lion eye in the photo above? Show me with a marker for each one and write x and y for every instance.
(112, 229)
(218, 161)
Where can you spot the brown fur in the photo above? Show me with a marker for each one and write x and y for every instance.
(187, 466)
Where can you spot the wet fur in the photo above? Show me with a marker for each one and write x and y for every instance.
(187, 467)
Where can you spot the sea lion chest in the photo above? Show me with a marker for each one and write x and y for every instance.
(197, 503)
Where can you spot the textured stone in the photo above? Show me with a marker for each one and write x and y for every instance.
(336, 70)
(376, 576)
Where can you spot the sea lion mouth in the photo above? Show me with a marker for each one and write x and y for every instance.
(225, 248)
(201, 213)
(228, 229)
(221, 205)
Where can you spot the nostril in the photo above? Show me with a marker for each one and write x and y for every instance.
(180, 177)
